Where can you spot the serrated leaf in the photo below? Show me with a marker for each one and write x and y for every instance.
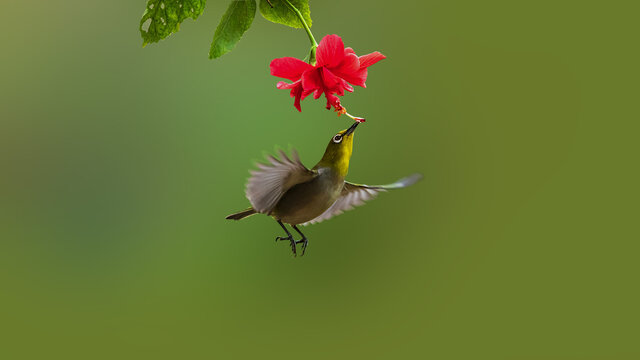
(281, 13)
(162, 18)
(234, 23)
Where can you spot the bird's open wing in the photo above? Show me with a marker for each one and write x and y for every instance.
(356, 194)
(267, 184)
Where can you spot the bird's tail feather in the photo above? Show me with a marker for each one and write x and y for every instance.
(242, 214)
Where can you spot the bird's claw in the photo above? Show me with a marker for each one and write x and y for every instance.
(293, 242)
(278, 238)
(293, 247)
(304, 242)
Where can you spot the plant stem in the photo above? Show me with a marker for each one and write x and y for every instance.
(314, 44)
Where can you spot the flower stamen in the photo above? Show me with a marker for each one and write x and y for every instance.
(356, 118)
(343, 110)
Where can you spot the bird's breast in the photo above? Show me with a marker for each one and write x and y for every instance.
(306, 201)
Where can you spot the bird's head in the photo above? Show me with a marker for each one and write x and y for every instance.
(339, 151)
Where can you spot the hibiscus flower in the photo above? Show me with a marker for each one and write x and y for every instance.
(336, 70)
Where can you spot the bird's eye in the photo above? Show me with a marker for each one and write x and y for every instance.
(337, 138)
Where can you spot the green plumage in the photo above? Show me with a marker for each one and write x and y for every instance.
(292, 194)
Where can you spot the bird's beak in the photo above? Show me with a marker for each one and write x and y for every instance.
(351, 129)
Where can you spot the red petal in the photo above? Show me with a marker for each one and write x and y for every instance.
(306, 93)
(289, 68)
(330, 81)
(286, 85)
(370, 59)
(349, 64)
(330, 51)
(356, 78)
(349, 51)
(311, 80)
(296, 92)
(333, 100)
(346, 86)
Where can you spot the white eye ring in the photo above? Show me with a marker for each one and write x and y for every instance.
(337, 138)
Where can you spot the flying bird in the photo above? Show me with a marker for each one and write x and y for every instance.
(293, 194)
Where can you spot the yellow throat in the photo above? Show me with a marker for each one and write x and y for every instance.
(338, 152)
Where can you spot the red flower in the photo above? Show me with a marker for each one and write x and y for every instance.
(336, 67)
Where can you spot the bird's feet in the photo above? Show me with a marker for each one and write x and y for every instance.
(304, 241)
(278, 238)
(293, 243)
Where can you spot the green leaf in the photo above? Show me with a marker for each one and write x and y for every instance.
(281, 13)
(162, 18)
(234, 23)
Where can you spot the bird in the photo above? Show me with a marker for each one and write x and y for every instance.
(293, 194)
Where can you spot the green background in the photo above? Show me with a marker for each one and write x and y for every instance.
(119, 164)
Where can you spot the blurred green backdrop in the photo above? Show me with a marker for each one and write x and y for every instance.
(119, 164)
